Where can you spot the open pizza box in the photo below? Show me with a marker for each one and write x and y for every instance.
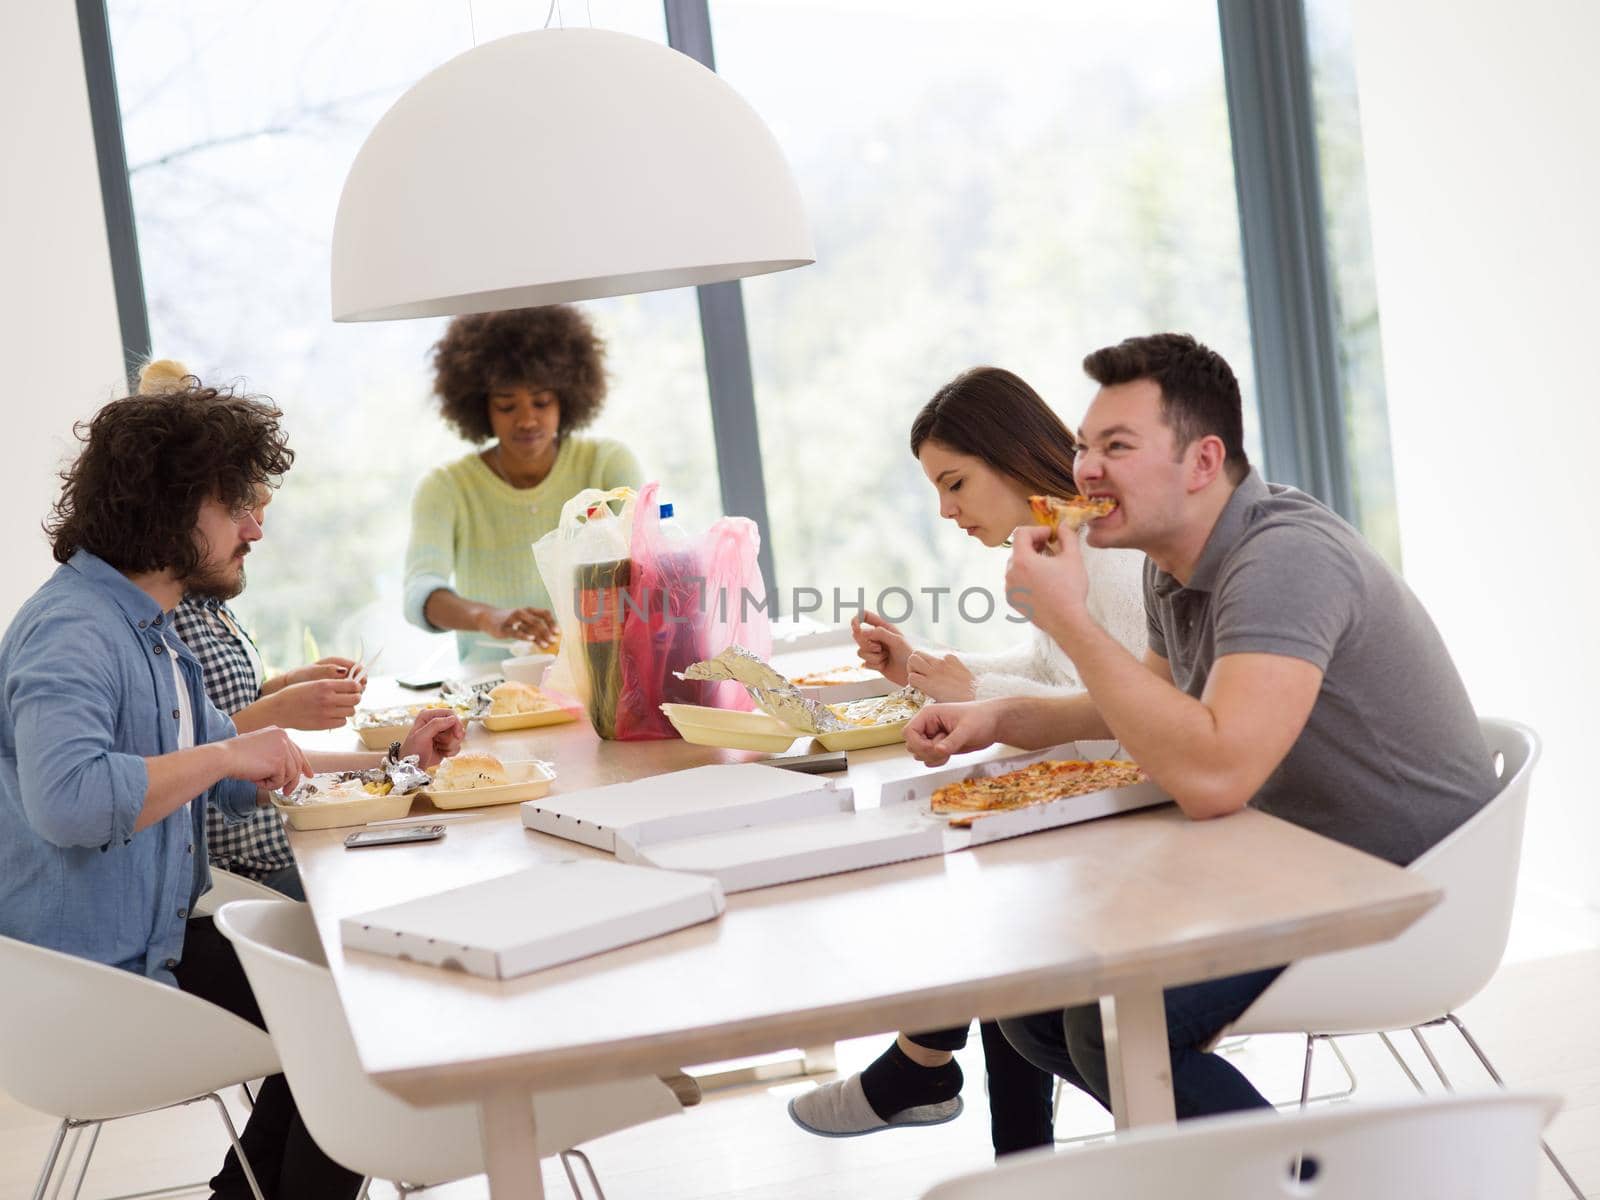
(918, 791)
(744, 846)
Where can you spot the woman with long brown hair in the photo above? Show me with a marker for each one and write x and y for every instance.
(986, 442)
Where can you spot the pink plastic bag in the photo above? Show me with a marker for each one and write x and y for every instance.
(688, 598)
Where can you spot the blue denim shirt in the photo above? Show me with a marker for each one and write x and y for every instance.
(86, 694)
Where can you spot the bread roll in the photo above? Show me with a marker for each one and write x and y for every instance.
(472, 769)
(512, 697)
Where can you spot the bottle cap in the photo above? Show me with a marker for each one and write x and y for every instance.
(666, 511)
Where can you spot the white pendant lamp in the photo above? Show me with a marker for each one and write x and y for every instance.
(563, 164)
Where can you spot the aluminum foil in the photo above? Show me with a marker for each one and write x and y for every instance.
(406, 774)
(778, 697)
(771, 692)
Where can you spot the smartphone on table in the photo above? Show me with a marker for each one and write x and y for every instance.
(393, 837)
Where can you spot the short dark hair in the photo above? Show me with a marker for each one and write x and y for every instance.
(552, 347)
(1199, 394)
(148, 462)
(995, 416)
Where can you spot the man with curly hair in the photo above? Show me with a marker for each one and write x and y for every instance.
(524, 381)
(110, 751)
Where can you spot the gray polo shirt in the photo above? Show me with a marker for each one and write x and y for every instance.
(1391, 758)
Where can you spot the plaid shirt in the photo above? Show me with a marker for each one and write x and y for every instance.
(257, 846)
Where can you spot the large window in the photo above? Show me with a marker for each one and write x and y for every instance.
(241, 122)
(1016, 184)
(1344, 203)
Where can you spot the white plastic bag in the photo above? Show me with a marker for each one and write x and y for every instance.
(557, 555)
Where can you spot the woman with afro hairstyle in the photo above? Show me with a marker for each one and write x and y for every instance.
(524, 381)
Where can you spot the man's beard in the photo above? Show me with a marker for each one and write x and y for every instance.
(215, 583)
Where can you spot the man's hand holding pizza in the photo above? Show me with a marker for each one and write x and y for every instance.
(1045, 579)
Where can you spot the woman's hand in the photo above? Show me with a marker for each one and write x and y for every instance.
(882, 647)
(536, 625)
(332, 667)
(321, 703)
(436, 733)
(940, 676)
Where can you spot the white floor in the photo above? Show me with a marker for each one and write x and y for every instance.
(1535, 1019)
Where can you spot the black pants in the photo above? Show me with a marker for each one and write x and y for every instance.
(1021, 1096)
(287, 1163)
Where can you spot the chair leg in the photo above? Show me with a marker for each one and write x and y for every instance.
(77, 1128)
(1483, 1058)
(1404, 1066)
(1305, 1074)
(594, 1180)
(365, 1184)
(1344, 1065)
(1427, 1052)
(83, 1167)
(233, 1136)
(249, 1100)
(50, 1161)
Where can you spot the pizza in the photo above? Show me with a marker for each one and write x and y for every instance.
(850, 673)
(1054, 779)
(1056, 512)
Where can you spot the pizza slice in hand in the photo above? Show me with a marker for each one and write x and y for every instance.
(1071, 514)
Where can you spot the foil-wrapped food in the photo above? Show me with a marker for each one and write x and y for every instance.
(393, 775)
(776, 696)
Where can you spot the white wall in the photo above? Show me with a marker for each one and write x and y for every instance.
(1481, 122)
(60, 349)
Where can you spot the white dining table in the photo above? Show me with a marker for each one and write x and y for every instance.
(1110, 911)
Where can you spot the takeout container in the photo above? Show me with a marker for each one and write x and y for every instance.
(862, 737)
(332, 814)
(531, 720)
(527, 668)
(380, 737)
(730, 729)
(530, 780)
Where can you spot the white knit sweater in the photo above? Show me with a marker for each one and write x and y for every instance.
(1039, 667)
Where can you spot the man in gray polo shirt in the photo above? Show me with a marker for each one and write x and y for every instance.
(1289, 669)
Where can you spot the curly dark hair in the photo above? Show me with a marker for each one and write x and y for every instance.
(1199, 394)
(148, 462)
(551, 347)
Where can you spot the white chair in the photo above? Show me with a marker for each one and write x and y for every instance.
(89, 1043)
(360, 1125)
(227, 887)
(1441, 961)
(1449, 1148)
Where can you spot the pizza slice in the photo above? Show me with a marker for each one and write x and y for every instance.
(1056, 512)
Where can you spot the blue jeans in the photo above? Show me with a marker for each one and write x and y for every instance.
(287, 881)
(1071, 1044)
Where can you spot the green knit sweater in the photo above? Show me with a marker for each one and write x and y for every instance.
(473, 532)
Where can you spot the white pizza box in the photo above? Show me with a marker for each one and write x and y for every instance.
(767, 855)
(683, 804)
(844, 693)
(918, 791)
(539, 917)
